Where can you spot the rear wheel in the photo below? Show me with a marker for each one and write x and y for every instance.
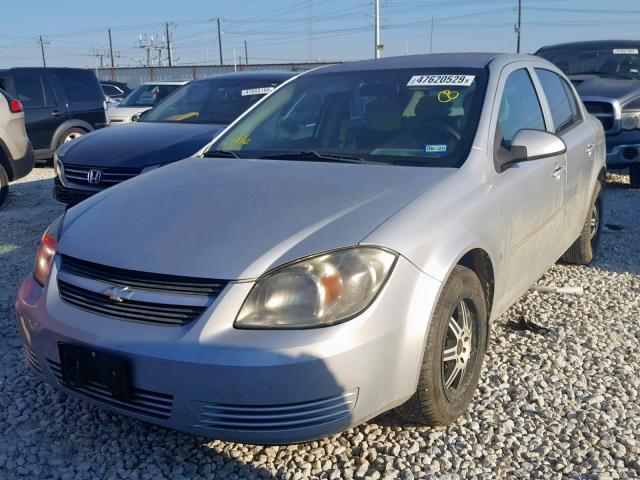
(634, 175)
(583, 249)
(71, 134)
(4, 184)
(454, 351)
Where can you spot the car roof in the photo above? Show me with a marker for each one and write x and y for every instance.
(267, 75)
(436, 60)
(49, 69)
(592, 44)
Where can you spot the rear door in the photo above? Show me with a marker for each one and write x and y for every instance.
(568, 123)
(532, 192)
(84, 96)
(42, 108)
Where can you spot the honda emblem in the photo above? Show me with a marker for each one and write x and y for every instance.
(94, 176)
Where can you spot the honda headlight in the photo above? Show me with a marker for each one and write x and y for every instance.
(630, 120)
(317, 291)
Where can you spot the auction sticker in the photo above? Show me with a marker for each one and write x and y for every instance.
(438, 148)
(441, 80)
(625, 51)
(257, 91)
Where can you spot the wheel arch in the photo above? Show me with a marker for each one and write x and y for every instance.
(5, 160)
(479, 261)
(63, 127)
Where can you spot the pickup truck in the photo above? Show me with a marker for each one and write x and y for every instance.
(606, 75)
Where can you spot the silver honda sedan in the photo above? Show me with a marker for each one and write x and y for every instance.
(340, 250)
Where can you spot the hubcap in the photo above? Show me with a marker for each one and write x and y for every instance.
(71, 136)
(458, 347)
(595, 221)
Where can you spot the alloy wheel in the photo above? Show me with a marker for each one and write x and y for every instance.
(460, 348)
(594, 222)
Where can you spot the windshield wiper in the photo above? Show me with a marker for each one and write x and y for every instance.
(313, 155)
(608, 74)
(221, 153)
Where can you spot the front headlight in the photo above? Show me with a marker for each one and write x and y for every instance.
(47, 251)
(630, 120)
(318, 291)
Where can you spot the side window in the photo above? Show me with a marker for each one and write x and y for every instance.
(49, 97)
(520, 107)
(564, 109)
(80, 86)
(30, 91)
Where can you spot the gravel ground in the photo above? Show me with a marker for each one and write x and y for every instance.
(559, 398)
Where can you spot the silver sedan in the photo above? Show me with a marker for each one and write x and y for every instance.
(340, 250)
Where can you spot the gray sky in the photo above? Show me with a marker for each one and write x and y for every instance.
(297, 30)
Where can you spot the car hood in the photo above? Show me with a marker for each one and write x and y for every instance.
(235, 219)
(594, 86)
(137, 145)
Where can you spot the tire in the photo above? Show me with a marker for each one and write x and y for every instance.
(634, 175)
(71, 134)
(436, 402)
(583, 249)
(4, 184)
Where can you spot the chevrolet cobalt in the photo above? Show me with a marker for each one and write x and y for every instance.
(339, 250)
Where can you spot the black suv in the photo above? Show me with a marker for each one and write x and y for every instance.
(60, 104)
(606, 74)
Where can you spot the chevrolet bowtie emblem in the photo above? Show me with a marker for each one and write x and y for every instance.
(119, 294)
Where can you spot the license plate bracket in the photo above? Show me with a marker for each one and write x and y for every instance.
(81, 365)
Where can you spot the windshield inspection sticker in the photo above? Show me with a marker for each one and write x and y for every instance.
(625, 51)
(257, 91)
(441, 80)
(438, 148)
(446, 96)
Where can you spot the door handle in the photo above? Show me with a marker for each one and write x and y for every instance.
(590, 148)
(56, 113)
(558, 171)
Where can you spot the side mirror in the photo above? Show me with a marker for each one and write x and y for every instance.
(529, 145)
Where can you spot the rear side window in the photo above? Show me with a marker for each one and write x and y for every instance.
(564, 109)
(520, 107)
(81, 87)
(30, 90)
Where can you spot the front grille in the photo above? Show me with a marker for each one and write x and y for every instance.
(604, 112)
(132, 310)
(277, 417)
(142, 402)
(109, 175)
(142, 280)
(68, 195)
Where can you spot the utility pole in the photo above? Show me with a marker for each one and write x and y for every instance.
(42, 40)
(246, 55)
(519, 25)
(431, 37)
(113, 63)
(166, 29)
(220, 40)
(377, 30)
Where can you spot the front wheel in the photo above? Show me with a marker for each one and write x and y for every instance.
(634, 175)
(454, 351)
(4, 184)
(583, 249)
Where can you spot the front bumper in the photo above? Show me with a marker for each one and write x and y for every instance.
(70, 196)
(623, 155)
(251, 386)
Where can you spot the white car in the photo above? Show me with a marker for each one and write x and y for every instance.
(16, 152)
(143, 98)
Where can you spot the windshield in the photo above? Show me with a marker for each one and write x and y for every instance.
(148, 95)
(211, 101)
(616, 62)
(408, 116)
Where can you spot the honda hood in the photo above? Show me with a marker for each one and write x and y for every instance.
(235, 218)
(138, 144)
